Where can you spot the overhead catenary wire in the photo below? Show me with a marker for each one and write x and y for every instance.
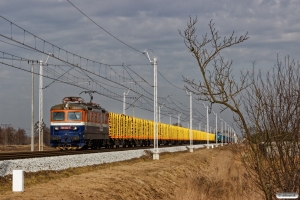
(60, 49)
(104, 29)
(49, 70)
(85, 71)
(170, 82)
(58, 54)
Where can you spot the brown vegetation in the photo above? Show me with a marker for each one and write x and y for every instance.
(205, 174)
(265, 105)
(10, 136)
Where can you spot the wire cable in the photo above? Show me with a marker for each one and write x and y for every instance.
(104, 29)
(169, 81)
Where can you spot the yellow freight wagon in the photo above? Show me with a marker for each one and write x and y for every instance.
(132, 131)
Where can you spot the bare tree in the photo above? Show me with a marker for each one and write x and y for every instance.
(46, 136)
(10, 135)
(2, 136)
(273, 107)
(266, 111)
(20, 137)
(217, 85)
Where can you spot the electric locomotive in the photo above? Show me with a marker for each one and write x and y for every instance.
(75, 124)
(222, 138)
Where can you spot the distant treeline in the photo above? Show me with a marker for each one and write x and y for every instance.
(11, 136)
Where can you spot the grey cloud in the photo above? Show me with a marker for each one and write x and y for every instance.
(272, 28)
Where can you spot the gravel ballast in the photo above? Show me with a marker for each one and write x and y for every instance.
(71, 161)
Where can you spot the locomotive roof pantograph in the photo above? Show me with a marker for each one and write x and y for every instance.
(73, 103)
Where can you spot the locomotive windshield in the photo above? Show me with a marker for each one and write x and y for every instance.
(74, 115)
(58, 116)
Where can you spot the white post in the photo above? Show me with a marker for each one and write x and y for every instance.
(199, 126)
(191, 123)
(155, 144)
(41, 108)
(159, 107)
(230, 133)
(32, 107)
(207, 126)
(225, 127)
(170, 118)
(178, 121)
(216, 132)
(221, 131)
(229, 137)
(156, 153)
(18, 181)
(235, 137)
(41, 123)
(124, 102)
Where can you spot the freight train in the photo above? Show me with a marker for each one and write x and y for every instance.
(225, 138)
(75, 124)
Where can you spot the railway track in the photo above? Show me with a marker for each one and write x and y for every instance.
(39, 154)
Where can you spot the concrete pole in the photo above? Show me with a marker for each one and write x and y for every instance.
(207, 126)
(225, 127)
(191, 123)
(178, 121)
(159, 107)
(216, 132)
(155, 151)
(156, 157)
(124, 102)
(221, 131)
(32, 107)
(41, 108)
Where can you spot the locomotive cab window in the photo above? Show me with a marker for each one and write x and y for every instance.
(58, 116)
(74, 116)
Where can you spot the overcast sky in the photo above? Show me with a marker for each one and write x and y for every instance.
(273, 28)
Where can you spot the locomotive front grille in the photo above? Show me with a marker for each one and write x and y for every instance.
(74, 138)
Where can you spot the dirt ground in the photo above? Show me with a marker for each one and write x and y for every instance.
(204, 174)
(23, 148)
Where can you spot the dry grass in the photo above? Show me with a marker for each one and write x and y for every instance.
(205, 174)
(23, 148)
(34, 178)
(220, 178)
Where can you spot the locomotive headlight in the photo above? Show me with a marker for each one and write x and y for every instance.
(75, 128)
(56, 128)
